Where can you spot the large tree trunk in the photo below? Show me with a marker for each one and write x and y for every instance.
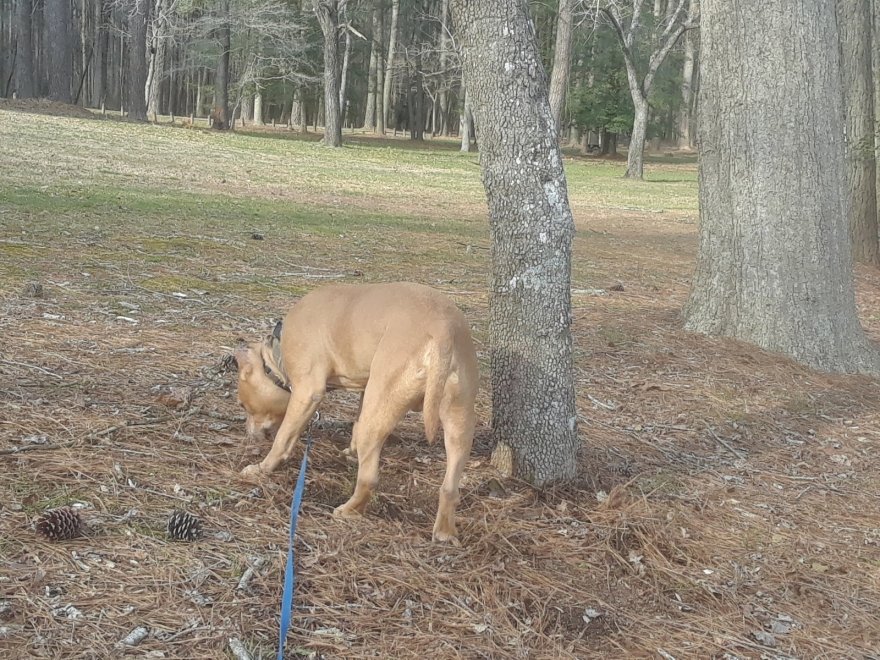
(328, 18)
(854, 20)
(24, 50)
(561, 61)
(137, 60)
(221, 119)
(534, 421)
(389, 64)
(59, 25)
(775, 265)
(687, 79)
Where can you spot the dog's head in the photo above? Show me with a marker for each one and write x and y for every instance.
(262, 397)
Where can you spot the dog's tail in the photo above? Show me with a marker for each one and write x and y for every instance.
(440, 364)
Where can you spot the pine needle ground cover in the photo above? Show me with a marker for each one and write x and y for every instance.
(728, 499)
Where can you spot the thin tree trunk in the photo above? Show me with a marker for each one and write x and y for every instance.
(466, 121)
(534, 420)
(380, 70)
(258, 108)
(389, 64)
(561, 61)
(328, 18)
(687, 79)
(775, 265)
(444, 56)
(60, 47)
(24, 50)
(346, 58)
(137, 60)
(854, 21)
(220, 113)
(375, 47)
(159, 44)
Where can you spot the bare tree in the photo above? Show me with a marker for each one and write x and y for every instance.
(854, 20)
(534, 422)
(685, 139)
(24, 50)
(775, 264)
(221, 119)
(138, 15)
(389, 64)
(327, 12)
(60, 47)
(666, 33)
(561, 60)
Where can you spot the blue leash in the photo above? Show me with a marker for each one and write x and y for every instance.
(290, 569)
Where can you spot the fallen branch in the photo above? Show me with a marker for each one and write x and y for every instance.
(238, 649)
(19, 450)
(248, 575)
(726, 445)
(13, 363)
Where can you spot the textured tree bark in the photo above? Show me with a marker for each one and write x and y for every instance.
(687, 79)
(854, 21)
(635, 160)
(220, 114)
(389, 64)
(534, 421)
(158, 43)
(328, 18)
(24, 50)
(775, 265)
(561, 61)
(60, 46)
(137, 60)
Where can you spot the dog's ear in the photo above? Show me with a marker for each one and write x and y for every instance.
(276, 332)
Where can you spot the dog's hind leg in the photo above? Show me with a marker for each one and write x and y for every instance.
(458, 434)
(378, 417)
(304, 401)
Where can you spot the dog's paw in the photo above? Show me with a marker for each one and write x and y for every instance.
(344, 511)
(446, 537)
(252, 473)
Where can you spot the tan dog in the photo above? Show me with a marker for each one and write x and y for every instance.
(404, 346)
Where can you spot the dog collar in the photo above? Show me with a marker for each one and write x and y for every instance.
(275, 379)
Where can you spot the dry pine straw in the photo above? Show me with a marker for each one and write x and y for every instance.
(742, 488)
(727, 503)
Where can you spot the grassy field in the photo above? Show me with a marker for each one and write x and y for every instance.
(727, 504)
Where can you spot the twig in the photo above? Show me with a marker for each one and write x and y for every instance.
(726, 445)
(607, 406)
(249, 573)
(13, 363)
(19, 450)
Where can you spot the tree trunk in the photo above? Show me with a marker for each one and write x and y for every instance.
(380, 71)
(328, 18)
(561, 61)
(101, 41)
(60, 47)
(534, 421)
(687, 78)
(258, 108)
(443, 99)
(854, 21)
(343, 78)
(24, 50)
(389, 64)
(220, 113)
(137, 60)
(775, 265)
(375, 47)
(158, 46)
(636, 155)
(466, 121)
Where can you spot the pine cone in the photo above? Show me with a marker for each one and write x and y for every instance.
(60, 524)
(184, 527)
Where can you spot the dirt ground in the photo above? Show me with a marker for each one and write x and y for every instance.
(727, 505)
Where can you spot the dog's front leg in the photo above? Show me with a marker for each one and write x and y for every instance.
(302, 406)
